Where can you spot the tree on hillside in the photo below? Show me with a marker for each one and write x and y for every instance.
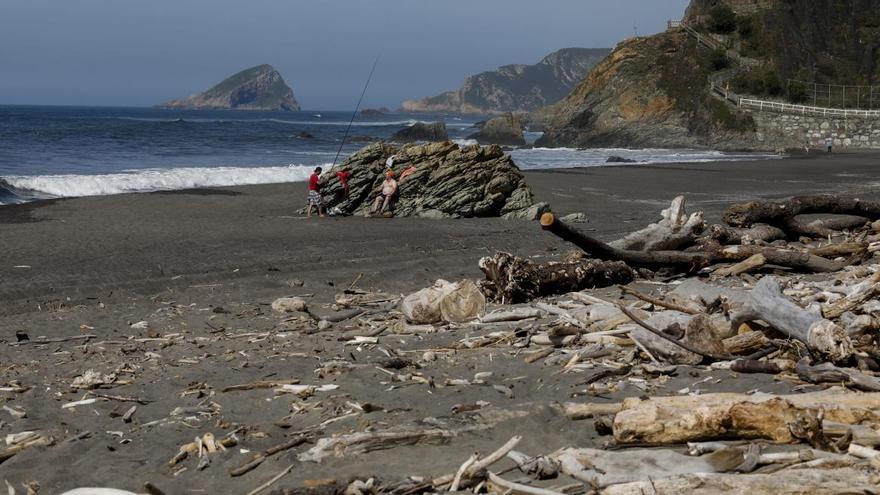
(723, 19)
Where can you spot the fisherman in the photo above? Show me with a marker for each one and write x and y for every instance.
(315, 193)
(389, 189)
(343, 175)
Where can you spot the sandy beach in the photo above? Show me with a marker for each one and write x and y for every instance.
(201, 267)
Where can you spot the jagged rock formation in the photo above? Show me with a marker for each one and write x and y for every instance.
(654, 91)
(515, 88)
(421, 131)
(504, 130)
(449, 181)
(257, 88)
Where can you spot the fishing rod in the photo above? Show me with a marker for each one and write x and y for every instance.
(358, 107)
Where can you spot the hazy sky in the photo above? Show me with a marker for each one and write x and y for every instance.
(126, 52)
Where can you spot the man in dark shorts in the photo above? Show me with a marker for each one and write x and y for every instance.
(315, 193)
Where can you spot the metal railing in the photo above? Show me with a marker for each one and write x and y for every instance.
(775, 106)
(837, 95)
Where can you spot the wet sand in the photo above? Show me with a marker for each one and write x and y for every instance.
(200, 267)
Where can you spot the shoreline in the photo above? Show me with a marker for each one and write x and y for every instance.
(175, 289)
(16, 189)
(63, 239)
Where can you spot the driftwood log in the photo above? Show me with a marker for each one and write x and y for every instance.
(676, 229)
(828, 373)
(783, 214)
(769, 304)
(363, 442)
(512, 280)
(787, 482)
(680, 419)
(685, 260)
(725, 234)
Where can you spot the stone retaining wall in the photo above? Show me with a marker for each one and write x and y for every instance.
(779, 130)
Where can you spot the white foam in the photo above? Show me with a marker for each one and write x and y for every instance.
(465, 142)
(64, 186)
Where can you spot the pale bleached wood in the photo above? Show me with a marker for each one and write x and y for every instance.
(681, 419)
(787, 482)
(749, 264)
(769, 304)
(676, 229)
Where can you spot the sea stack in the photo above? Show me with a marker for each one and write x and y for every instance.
(257, 88)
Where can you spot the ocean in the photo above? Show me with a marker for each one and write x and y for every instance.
(57, 152)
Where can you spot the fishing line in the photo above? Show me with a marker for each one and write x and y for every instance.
(353, 115)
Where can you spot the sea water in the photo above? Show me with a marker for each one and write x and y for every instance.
(53, 152)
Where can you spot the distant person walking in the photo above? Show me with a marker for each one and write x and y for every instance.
(315, 193)
(389, 189)
(829, 143)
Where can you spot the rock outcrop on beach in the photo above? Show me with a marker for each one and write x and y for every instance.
(514, 88)
(420, 131)
(449, 181)
(257, 88)
(655, 91)
(504, 130)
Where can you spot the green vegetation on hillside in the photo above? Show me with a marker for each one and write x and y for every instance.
(683, 76)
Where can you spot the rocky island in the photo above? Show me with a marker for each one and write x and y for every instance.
(257, 88)
(514, 88)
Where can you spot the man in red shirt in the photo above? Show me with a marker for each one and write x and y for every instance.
(343, 175)
(315, 193)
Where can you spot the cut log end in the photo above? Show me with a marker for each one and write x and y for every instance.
(547, 219)
(829, 339)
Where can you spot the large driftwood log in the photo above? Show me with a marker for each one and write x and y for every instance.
(676, 229)
(512, 280)
(680, 419)
(684, 260)
(769, 304)
(828, 373)
(782, 213)
(602, 250)
(783, 257)
(602, 468)
(732, 235)
(787, 482)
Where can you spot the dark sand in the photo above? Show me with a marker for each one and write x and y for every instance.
(96, 265)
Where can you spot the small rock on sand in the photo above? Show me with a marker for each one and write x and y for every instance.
(289, 304)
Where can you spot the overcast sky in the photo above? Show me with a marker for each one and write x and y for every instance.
(139, 53)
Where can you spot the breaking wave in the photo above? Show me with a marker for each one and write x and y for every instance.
(16, 189)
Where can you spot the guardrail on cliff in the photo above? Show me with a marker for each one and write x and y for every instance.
(719, 85)
(775, 106)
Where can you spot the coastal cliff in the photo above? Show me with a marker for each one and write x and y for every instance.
(649, 92)
(514, 88)
(257, 88)
(655, 91)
